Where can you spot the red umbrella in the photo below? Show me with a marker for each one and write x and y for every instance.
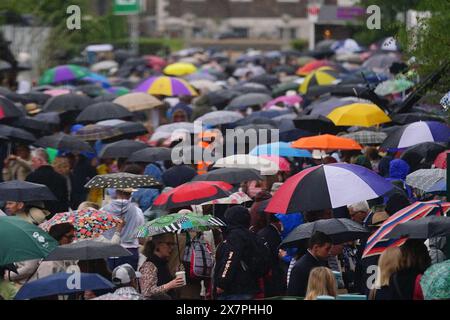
(441, 160)
(155, 62)
(192, 193)
(312, 66)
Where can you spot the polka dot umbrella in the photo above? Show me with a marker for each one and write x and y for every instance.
(122, 180)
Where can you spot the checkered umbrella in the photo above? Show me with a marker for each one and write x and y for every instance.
(94, 132)
(367, 137)
(122, 180)
(424, 179)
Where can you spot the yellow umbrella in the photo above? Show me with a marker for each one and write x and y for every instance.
(180, 69)
(321, 77)
(358, 114)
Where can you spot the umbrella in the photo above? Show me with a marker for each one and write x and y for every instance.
(266, 79)
(417, 132)
(155, 62)
(426, 150)
(23, 241)
(424, 179)
(285, 100)
(128, 129)
(122, 180)
(171, 127)
(22, 191)
(283, 149)
(16, 134)
(97, 79)
(380, 62)
(234, 198)
(149, 155)
(88, 223)
(326, 142)
(281, 162)
(178, 222)
(312, 66)
(192, 193)
(426, 228)
(340, 231)
(51, 118)
(220, 117)
(138, 101)
(248, 100)
(166, 86)
(107, 97)
(105, 65)
(435, 282)
(393, 86)
(103, 111)
(358, 114)
(328, 186)
(67, 102)
(205, 85)
(118, 91)
(230, 175)
(63, 73)
(87, 250)
(441, 160)
(57, 92)
(320, 77)
(8, 109)
(121, 149)
(316, 124)
(201, 75)
(366, 137)
(180, 69)
(325, 105)
(245, 161)
(56, 284)
(406, 118)
(281, 89)
(376, 243)
(94, 132)
(221, 98)
(33, 124)
(62, 141)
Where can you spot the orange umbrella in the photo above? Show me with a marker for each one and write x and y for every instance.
(312, 66)
(326, 142)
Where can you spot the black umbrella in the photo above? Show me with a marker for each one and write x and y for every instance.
(425, 228)
(122, 180)
(340, 231)
(252, 87)
(109, 97)
(148, 155)
(91, 90)
(87, 250)
(22, 191)
(129, 130)
(178, 175)
(67, 102)
(62, 141)
(289, 70)
(230, 175)
(16, 134)
(406, 118)
(248, 100)
(36, 97)
(221, 98)
(255, 120)
(33, 124)
(266, 79)
(52, 118)
(103, 111)
(426, 150)
(121, 149)
(8, 110)
(316, 124)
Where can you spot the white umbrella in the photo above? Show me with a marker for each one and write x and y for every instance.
(266, 167)
(104, 65)
(220, 117)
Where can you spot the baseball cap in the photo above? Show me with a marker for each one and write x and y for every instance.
(124, 274)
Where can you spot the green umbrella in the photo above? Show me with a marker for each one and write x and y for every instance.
(281, 89)
(393, 86)
(20, 241)
(435, 281)
(63, 73)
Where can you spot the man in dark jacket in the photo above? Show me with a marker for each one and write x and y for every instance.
(318, 250)
(45, 174)
(82, 172)
(233, 280)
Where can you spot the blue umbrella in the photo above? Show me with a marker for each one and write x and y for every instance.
(60, 284)
(282, 149)
(439, 186)
(97, 78)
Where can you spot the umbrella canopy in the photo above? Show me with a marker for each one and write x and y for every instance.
(118, 91)
(435, 282)
(418, 210)
(56, 284)
(425, 179)
(266, 79)
(63, 73)
(358, 114)
(406, 118)
(312, 66)
(171, 127)
(87, 250)
(149, 155)
(89, 223)
(128, 129)
(417, 132)
(426, 228)
(122, 180)
(380, 62)
(316, 124)
(339, 230)
(8, 109)
(234, 198)
(221, 98)
(328, 186)
(393, 86)
(281, 162)
(281, 89)
(166, 86)
(245, 161)
(326, 142)
(220, 117)
(248, 100)
(155, 62)
(366, 137)
(230, 175)
(282, 149)
(191, 193)
(57, 92)
(23, 241)
(62, 141)
(426, 150)
(205, 85)
(441, 160)
(96, 79)
(22, 191)
(94, 132)
(322, 76)
(34, 125)
(67, 102)
(325, 105)
(285, 100)
(103, 111)
(138, 101)
(180, 69)
(105, 65)
(121, 149)
(16, 134)
(201, 75)
(51, 118)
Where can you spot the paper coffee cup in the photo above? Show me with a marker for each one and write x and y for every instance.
(182, 275)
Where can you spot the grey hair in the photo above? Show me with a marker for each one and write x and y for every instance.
(359, 206)
(41, 153)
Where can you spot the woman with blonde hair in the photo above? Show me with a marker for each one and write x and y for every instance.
(321, 282)
(388, 264)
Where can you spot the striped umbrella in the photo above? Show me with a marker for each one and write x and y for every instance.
(328, 186)
(94, 132)
(166, 86)
(63, 73)
(424, 179)
(367, 137)
(320, 77)
(376, 243)
(235, 198)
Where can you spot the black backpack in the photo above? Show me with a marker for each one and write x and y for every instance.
(257, 260)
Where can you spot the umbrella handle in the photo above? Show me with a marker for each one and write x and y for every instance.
(178, 247)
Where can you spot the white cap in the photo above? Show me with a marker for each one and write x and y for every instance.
(124, 274)
(318, 154)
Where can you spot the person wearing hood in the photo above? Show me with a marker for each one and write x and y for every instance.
(125, 209)
(181, 112)
(144, 197)
(233, 281)
(398, 170)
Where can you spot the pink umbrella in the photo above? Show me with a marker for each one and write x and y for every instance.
(441, 160)
(286, 100)
(57, 92)
(282, 163)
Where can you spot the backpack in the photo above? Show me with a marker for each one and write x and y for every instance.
(258, 260)
(198, 260)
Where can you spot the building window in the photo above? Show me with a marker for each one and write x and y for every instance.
(241, 32)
